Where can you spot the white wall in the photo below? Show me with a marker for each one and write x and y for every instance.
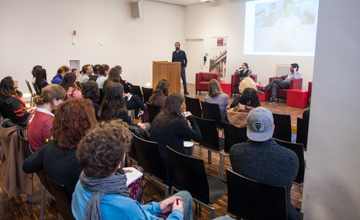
(332, 177)
(227, 18)
(40, 32)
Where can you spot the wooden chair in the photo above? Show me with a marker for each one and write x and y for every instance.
(37, 91)
(188, 173)
(249, 199)
(31, 92)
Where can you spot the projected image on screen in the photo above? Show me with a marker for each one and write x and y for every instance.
(283, 27)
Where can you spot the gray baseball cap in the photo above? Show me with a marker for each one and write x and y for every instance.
(260, 123)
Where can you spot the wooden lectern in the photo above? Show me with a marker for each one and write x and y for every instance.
(170, 71)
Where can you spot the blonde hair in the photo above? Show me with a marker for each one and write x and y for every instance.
(247, 82)
(63, 68)
(214, 88)
(49, 93)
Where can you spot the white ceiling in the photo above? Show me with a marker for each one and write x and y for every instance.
(180, 2)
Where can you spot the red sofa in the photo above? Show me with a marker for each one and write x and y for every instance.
(282, 93)
(234, 80)
(203, 79)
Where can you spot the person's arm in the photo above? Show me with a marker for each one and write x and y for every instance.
(182, 129)
(21, 113)
(34, 162)
(185, 59)
(173, 59)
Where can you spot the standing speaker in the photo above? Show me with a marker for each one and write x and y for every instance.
(135, 10)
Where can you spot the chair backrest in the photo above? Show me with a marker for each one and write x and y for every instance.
(137, 91)
(210, 137)
(147, 92)
(62, 202)
(25, 143)
(233, 135)
(188, 173)
(249, 199)
(193, 106)
(212, 111)
(37, 91)
(29, 87)
(282, 127)
(153, 110)
(302, 131)
(149, 157)
(299, 150)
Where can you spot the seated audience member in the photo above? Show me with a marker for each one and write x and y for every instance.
(40, 120)
(95, 74)
(133, 102)
(12, 97)
(103, 73)
(160, 93)
(68, 83)
(33, 72)
(247, 82)
(262, 159)
(170, 128)
(40, 79)
(57, 156)
(237, 116)
(114, 105)
(60, 74)
(216, 96)
(101, 192)
(281, 83)
(241, 73)
(91, 91)
(125, 83)
(86, 72)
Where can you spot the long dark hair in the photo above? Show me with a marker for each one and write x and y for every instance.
(40, 78)
(113, 102)
(68, 81)
(114, 76)
(7, 88)
(33, 72)
(251, 95)
(171, 109)
(162, 88)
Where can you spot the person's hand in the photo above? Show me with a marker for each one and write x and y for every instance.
(141, 125)
(279, 77)
(179, 205)
(31, 109)
(126, 81)
(242, 107)
(128, 95)
(186, 114)
(167, 204)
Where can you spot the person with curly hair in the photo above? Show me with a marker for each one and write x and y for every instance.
(102, 193)
(57, 156)
(68, 83)
(40, 120)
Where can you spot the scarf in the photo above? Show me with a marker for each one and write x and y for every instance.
(114, 184)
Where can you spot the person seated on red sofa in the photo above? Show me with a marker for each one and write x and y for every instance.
(241, 73)
(282, 82)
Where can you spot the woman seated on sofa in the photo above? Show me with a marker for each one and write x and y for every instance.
(68, 83)
(160, 93)
(237, 116)
(40, 120)
(242, 72)
(216, 96)
(57, 156)
(12, 98)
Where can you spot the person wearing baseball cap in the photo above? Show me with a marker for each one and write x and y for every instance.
(262, 159)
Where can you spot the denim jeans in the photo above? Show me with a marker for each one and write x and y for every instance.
(183, 77)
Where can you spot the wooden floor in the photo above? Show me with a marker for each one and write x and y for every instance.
(16, 207)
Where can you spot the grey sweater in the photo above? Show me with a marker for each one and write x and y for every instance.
(268, 163)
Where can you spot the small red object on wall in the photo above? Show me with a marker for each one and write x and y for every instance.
(220, 42)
